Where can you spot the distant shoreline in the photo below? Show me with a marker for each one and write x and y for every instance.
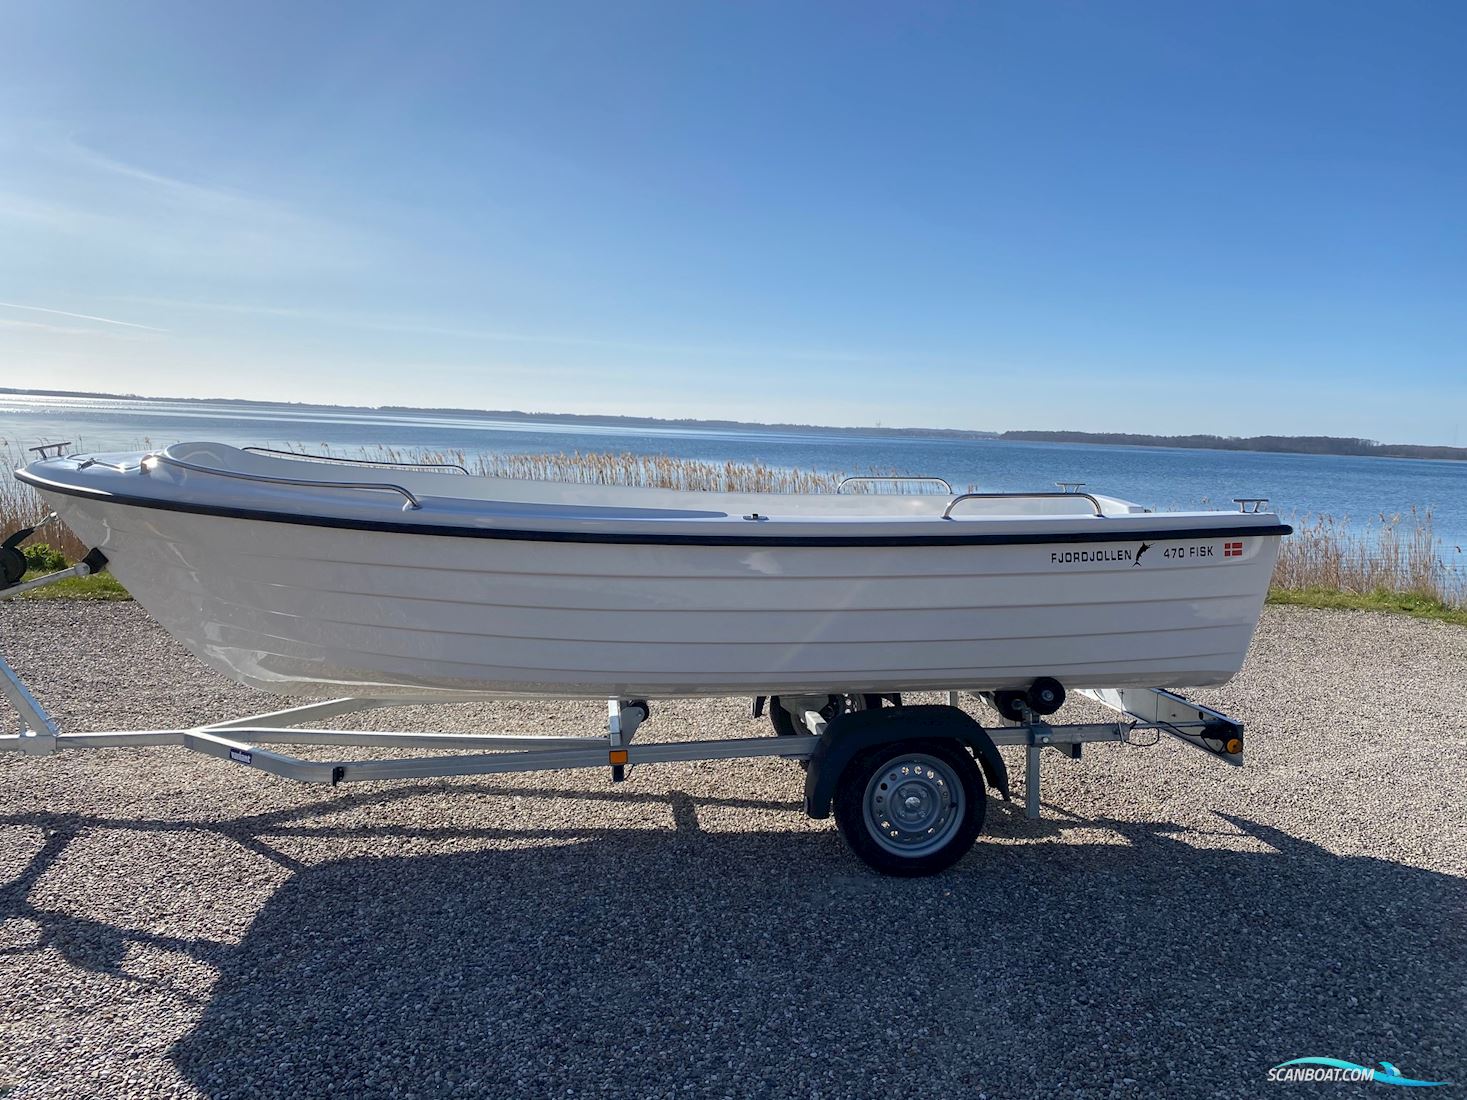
(1269, 444)
(610, 420)
(1340, 446)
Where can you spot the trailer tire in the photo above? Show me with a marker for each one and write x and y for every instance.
(943, 803)
(786, 726)
(12, 566)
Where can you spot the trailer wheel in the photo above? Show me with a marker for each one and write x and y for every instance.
(785, 724)
(12, 566)
(911, 808)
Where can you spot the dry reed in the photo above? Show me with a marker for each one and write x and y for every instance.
(1398, 554)
(644, 471)
(21, 507)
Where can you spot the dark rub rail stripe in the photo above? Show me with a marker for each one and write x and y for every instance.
(974, 538)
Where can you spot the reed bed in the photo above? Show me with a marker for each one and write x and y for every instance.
(644, 471)
(21, 507)
(658, 471)
(647, 471)
(1396, 554)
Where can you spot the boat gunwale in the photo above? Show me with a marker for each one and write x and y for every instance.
(1126, 533)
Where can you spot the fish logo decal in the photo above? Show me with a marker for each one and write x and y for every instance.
(1145, 546)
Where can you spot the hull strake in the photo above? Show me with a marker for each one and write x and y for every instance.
(300, 608)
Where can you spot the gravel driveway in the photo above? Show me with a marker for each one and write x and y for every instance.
(174, 926)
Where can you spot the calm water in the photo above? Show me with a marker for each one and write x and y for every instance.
(1359, 488)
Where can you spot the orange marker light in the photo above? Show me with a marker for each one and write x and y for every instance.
(1235, 746)
(617, 756)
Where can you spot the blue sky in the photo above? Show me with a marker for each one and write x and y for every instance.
(1232, 217)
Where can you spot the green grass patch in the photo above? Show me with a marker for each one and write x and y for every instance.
(1400, 603)
(41, 560)
(99, 586)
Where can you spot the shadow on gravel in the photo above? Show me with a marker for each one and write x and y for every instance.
(637, 962)
(84, 943)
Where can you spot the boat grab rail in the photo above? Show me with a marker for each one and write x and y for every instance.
(947, 512)
(367, 462)
(120, 467)
(893, 478)
(411, 502)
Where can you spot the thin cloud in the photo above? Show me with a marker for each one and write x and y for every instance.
(74, 332)
(105, 163)
(195, 193)
(411, 326)
(51, 215)
(124, 209)
(81, 316)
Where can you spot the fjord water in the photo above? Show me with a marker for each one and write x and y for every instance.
(1361, 489)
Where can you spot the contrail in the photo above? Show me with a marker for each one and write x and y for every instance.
(81, 316)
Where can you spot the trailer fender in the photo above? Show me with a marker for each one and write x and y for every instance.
(847, 735)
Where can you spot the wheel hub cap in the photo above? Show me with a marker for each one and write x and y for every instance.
(914, 805)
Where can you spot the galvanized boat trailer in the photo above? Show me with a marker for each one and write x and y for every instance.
(906, 784)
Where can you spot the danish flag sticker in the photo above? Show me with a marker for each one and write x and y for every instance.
(1232, 549)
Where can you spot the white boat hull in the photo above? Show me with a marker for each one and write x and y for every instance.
(318, 611)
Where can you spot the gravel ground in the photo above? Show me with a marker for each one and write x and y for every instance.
(174, 926)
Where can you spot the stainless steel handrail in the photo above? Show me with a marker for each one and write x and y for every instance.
(947, 512)
(940, 480)
(1256, 503)
(412, 503)
(368, 462)
(120, 467)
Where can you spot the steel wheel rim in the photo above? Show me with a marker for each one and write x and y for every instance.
(913, 805)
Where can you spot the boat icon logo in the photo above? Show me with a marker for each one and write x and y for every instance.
(1145, 546)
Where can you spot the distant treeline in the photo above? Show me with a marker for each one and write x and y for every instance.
(1289, 444)
(690, 422)
(590, 419)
